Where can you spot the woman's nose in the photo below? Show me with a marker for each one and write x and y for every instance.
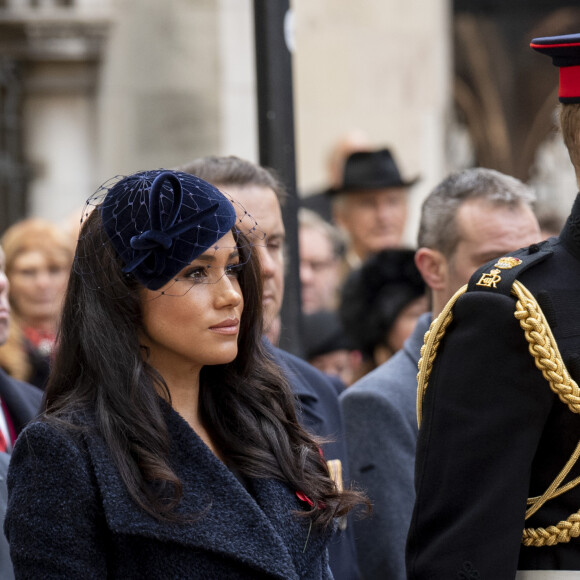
(229, 293)
(3, 282)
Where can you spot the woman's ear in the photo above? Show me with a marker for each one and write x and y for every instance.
(433, 267)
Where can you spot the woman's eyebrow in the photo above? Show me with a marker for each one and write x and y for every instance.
(212, 258)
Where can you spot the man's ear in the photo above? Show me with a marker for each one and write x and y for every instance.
(337, 215)
(338, 210)
(433, 267)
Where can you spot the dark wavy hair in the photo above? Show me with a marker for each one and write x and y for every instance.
(246, 405)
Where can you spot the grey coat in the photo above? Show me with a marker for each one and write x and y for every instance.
(381, 433)
(70, 516)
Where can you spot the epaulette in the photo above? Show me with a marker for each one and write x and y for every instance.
(499, 275)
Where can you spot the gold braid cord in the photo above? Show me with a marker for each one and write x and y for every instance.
(542, 346)
(429, 349)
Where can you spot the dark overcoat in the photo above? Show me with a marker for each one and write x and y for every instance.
(319, 412)
(21, 399)
(493, 432)
(70, 516)
(23, 402)
(6, 570)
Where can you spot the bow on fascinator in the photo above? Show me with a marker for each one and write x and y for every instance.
(159, 221)
(161, 236)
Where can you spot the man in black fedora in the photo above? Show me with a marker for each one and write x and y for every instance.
(371, 204)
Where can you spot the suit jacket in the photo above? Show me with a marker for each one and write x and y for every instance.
(380, 418)
(22, 400)
(493, 432)
(6, 570)
(70, 516)
(23, 403)
(319, 412)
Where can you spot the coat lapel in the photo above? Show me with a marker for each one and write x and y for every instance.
(226, 519)
(304, 543)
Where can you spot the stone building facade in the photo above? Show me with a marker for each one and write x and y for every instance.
(94, 88)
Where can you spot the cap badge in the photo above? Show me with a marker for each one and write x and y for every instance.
(489, 280)
(507, 263)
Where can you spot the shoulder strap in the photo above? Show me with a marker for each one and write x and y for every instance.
(499, 275)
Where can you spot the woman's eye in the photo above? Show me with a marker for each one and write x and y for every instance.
(234, 270)
(197, 274)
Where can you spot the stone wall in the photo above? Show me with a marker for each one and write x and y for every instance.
(172, 80)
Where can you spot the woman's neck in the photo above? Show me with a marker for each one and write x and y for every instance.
(184, 391)
(185, 399)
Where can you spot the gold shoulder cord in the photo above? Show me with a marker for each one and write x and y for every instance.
(542, 346)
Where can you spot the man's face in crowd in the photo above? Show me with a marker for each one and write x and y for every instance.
(263, 205)
(488, 231)
(373, 219)
(319, 270)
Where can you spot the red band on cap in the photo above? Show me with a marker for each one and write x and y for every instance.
(532, 45)
(569, 81)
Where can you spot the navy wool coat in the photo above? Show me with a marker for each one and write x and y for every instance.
(70, 516)
(319, 413)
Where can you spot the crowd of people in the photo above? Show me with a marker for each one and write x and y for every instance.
(151, 427)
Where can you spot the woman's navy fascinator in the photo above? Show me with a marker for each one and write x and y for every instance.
(159, 221)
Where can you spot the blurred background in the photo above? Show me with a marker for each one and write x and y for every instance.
(94, 88)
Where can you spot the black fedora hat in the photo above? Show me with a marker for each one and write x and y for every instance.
(371, 170)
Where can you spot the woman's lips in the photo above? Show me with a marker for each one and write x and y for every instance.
(229, 326)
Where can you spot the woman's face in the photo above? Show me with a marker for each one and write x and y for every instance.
(37, 287)
(197, 322)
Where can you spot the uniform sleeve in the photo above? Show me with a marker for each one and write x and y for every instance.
(53, 522)
(484, 410)
(381, 450)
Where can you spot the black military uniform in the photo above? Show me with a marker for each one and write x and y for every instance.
(501, 419)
